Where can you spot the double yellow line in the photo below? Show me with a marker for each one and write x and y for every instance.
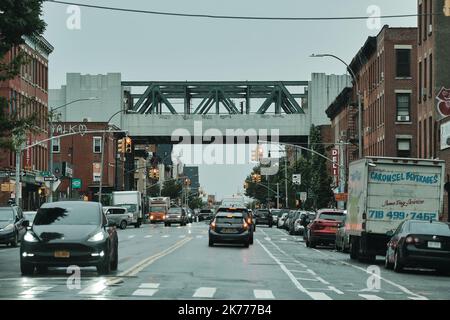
(134, 270)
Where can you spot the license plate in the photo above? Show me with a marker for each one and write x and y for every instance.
(62, 254)
(229, 231)
(434, 245)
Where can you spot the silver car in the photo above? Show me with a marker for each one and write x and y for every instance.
(118, 215)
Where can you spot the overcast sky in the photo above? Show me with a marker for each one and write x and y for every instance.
(149, 47)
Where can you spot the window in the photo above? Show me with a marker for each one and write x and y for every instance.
(420, 139)
(420, 83)
(56, 145)
(420, 23)
(97, 144)
(403, 107)
(404, 148)
(403, 57)
(425, 23)
(430, 128)
(425, 79)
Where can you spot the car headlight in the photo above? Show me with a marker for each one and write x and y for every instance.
(97, 237)
(9, 227)
(30, 237)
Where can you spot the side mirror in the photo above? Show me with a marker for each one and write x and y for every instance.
(25, 223)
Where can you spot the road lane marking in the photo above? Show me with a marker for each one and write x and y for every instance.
(95, 288)
(402, 288)
(306, 279)
(283, 239)
(199, 236)
(149, 236)
(322, 280)
(267, 238)
(131, 237)
(182, 236)
(370, 297)
(284, 253)
(335, 290)
(319, 296)
(165, 236)
(149, 286)
(204, 292)
(145, 292)
(299, 271)
(35, 291)
(134, 270)
(312, 272)
(313, 295)
(263, 294)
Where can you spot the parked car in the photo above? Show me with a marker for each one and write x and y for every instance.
(263, 216)
(299, 228)
(288, 219)
(119, 215)
(342, 242)
(281, 220)
(11, 228)
(305, 221)
(419, 244)
(322, 230)
(176, 215)
(229, 227)
(205, 214)
(276, 213)
(291, 225)
(249, 219)
(29, 216)
(69, 233)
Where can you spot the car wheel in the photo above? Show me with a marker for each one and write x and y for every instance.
(398, 267)
(15, 240)
(336, 246)
(312, 244)
(26, 268)
(115, 262)
(137, 225)
(247, 244)
(123, 225)
(251, 240)
(104, 267)
(211, 243)
(354, 249)
(387, 264)
(270, 225)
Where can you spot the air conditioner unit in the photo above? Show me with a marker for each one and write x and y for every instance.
(403, 118)
(87, 120)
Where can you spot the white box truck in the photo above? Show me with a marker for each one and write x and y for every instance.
(132, 200)
(383, 192)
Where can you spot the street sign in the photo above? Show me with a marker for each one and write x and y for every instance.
(297, 179)
(76, 183)
(50, 179)
(303, 196)
(45, 174)
(341, 197)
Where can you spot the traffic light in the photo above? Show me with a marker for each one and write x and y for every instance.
(128, 148)
(121, 146)
(258, 178)
(154, 174)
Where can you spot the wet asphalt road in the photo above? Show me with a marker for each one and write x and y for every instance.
(157, 262)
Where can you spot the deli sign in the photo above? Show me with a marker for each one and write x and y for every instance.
(335, 165)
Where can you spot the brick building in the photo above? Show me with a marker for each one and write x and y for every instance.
(433, 65)
(28, 95)
(387, 77)
(82, 154)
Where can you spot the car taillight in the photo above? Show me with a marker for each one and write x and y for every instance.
(411, 239)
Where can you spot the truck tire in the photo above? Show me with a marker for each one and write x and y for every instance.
(354, 248)
(137, 225)
(388, 265)
(27, 269)
(123, 225)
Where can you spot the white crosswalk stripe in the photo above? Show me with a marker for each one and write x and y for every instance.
(145, 292)
(204, 292)
(149, 286)
(95, 288)
(319, 296)
(35, 291)
(263, 294)
(370, 297)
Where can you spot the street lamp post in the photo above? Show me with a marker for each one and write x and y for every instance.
(360, 144)
(50, 128)
(100, 189)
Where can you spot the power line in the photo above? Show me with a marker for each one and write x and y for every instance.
(211, 16)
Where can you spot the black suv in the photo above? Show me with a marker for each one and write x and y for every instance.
(11, 229)
(263, 216)
(247, 216)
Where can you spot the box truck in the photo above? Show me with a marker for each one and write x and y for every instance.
(384, 192)
(132, 200)
(158, 208)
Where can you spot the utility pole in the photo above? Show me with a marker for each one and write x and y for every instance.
(18, 186)
(286, 180)
(278, 195)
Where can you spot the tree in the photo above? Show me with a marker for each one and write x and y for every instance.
(322, 194)
(19, 18)
(195, 202)
(172, 189)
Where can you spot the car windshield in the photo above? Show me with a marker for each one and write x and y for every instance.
(157, 209)
(175, 211)
(262, 213)
(129, 207)
(334, 216)
(205, 211)
(6, 214)
(68, 215)
(430, 228)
